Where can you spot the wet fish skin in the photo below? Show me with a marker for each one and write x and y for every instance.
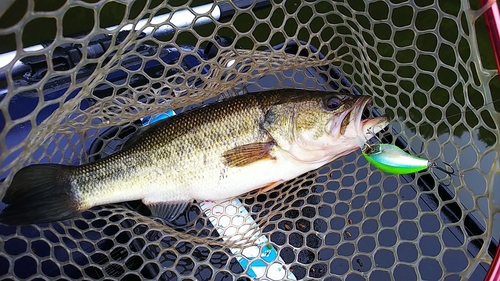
(211, 153)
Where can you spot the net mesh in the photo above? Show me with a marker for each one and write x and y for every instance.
(426, 63)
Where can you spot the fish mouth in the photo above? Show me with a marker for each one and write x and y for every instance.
(359, 118)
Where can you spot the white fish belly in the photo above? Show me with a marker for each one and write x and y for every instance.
(239, 180)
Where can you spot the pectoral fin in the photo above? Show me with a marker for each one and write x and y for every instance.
(248, 154)
(167, 211)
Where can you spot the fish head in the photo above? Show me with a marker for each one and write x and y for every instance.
(322, 126)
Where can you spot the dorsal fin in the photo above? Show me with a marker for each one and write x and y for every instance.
(134, 138)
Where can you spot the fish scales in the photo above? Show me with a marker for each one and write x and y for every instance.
(179, 152)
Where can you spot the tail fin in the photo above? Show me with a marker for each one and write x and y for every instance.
(38, 194)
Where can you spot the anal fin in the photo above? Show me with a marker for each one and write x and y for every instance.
(167, 211)
(270, 186)
(247, 154)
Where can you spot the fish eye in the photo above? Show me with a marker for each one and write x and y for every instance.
(333, 103)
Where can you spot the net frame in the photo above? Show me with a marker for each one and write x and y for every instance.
(492, 19)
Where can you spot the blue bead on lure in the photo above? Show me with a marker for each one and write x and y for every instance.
(393, 160)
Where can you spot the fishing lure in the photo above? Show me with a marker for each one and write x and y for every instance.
(393, 160)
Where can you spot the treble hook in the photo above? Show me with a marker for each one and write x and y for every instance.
(444, 170)
(393, 160)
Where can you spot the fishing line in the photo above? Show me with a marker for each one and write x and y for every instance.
(458, 114)
(442, 119)
(392, 159)
(351, 118)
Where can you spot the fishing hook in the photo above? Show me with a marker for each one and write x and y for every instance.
(449, 172)
(444, 170)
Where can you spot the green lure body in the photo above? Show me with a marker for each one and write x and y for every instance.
(393, 160)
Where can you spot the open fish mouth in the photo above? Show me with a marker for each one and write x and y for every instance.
(368, 126)
(359, 118)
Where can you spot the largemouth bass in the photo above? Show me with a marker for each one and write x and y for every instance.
(254, 141)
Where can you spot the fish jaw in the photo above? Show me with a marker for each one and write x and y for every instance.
(372, 126)
(344, 133)
(356, 131)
